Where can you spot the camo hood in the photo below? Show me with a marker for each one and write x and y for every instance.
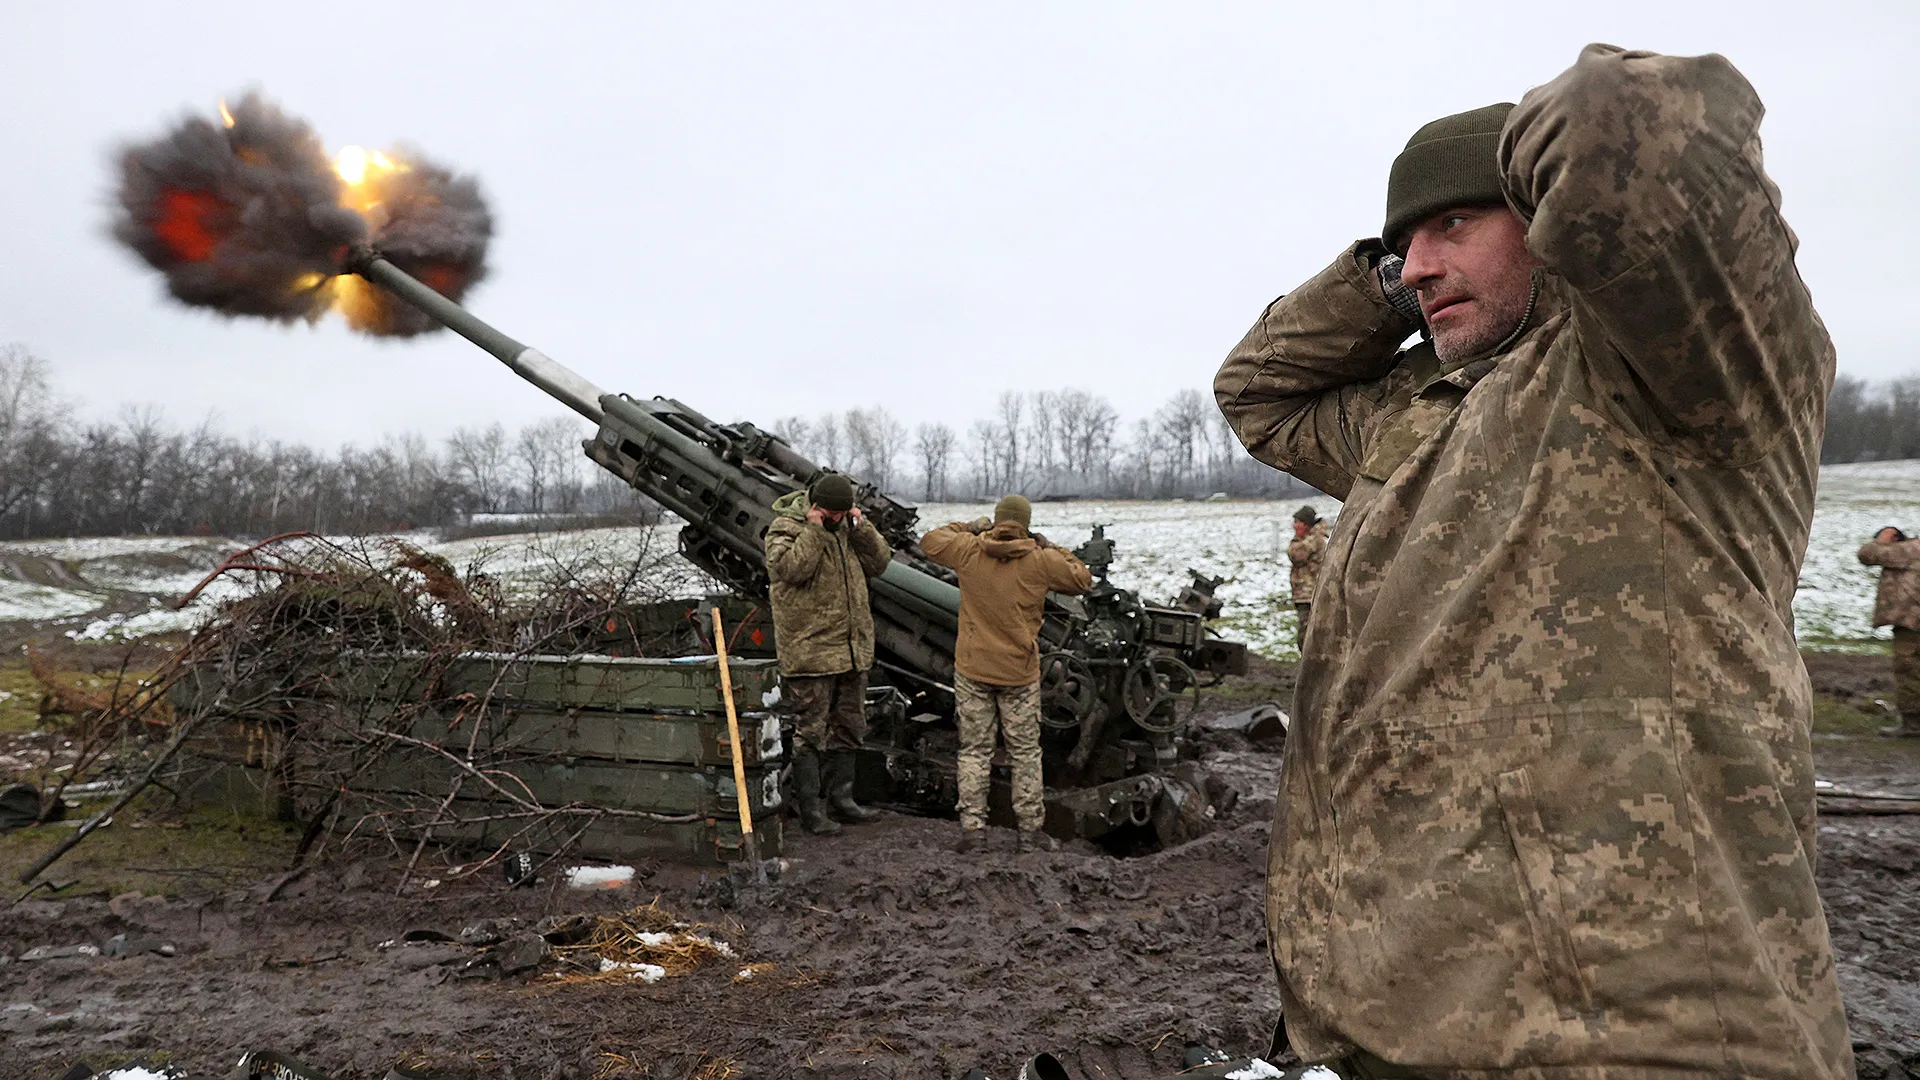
(1005, 575)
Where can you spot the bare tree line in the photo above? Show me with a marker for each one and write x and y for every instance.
(139, 474)
(1058, 443)
(1872, 421)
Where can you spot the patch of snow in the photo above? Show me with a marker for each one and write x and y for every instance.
(119, 627)
(644, 972)
(27, 601)
(1257, 1069)
(599, 877)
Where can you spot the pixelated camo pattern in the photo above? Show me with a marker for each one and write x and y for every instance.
(1547, 806)
(1014, 713)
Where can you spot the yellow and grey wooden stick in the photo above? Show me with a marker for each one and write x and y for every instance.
(749, 846)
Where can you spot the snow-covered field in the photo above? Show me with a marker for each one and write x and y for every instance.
(74, 581)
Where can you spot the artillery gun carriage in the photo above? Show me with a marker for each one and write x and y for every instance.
(1120, 676)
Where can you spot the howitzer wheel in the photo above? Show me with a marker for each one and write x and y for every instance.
(1067, 694)
(1161, 693)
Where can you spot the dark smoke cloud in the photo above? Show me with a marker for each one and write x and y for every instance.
(250, 220)
(432, 224)
(245, 220)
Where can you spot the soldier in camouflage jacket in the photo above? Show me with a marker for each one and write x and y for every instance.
(1547, 808)
(1897, 604)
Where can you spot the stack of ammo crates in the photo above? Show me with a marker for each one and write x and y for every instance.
(621, 733)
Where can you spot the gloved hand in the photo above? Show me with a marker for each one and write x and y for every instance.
(1400, 296)
(980, 525)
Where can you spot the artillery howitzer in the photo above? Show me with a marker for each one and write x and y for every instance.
(1119, 679)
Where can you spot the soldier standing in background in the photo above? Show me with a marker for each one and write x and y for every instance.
(1005, 575)
(1309, 543)
(820, 552)
(1897, 604)
(1547, 803)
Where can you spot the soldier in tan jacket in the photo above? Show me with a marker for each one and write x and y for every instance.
(1005, 574)
(1897, 604)
(1547, 803)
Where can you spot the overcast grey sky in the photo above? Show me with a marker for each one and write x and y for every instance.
(771, 209)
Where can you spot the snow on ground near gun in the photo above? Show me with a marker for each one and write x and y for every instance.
(124, 587)
(1246, 541)
(1158, 542)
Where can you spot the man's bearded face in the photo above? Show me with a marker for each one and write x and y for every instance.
(1474, 274)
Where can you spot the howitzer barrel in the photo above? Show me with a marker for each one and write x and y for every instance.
(699, 470)
(560, 382)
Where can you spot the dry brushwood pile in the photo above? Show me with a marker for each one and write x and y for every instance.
(333, 660)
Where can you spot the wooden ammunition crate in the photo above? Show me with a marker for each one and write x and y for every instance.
(626, 734)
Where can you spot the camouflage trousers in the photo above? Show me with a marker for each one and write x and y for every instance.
(1906, 676)
(1014, 712)
(829, 711)
(1301, 611)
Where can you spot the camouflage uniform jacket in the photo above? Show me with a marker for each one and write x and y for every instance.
(822, 621)
(1305, 553)
(1897, 603)
(1547, 805)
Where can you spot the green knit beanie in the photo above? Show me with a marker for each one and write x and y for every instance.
(1448, 163)
(1013, 508)
(832, 492)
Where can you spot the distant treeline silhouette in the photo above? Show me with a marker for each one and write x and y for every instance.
(140, 474)
(1067, 443)
(1872, 421)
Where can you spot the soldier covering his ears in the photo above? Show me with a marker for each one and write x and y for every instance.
(820, 552)
(1896, 603)
(1547, 804)
(1005, 574)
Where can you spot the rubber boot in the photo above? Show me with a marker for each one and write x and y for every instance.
(1044, 1067)
(806, 792)
(840, 789)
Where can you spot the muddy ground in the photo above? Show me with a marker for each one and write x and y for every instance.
(889, 956)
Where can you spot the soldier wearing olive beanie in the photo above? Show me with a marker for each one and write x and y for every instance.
(1544, 809)
(1005, 573)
